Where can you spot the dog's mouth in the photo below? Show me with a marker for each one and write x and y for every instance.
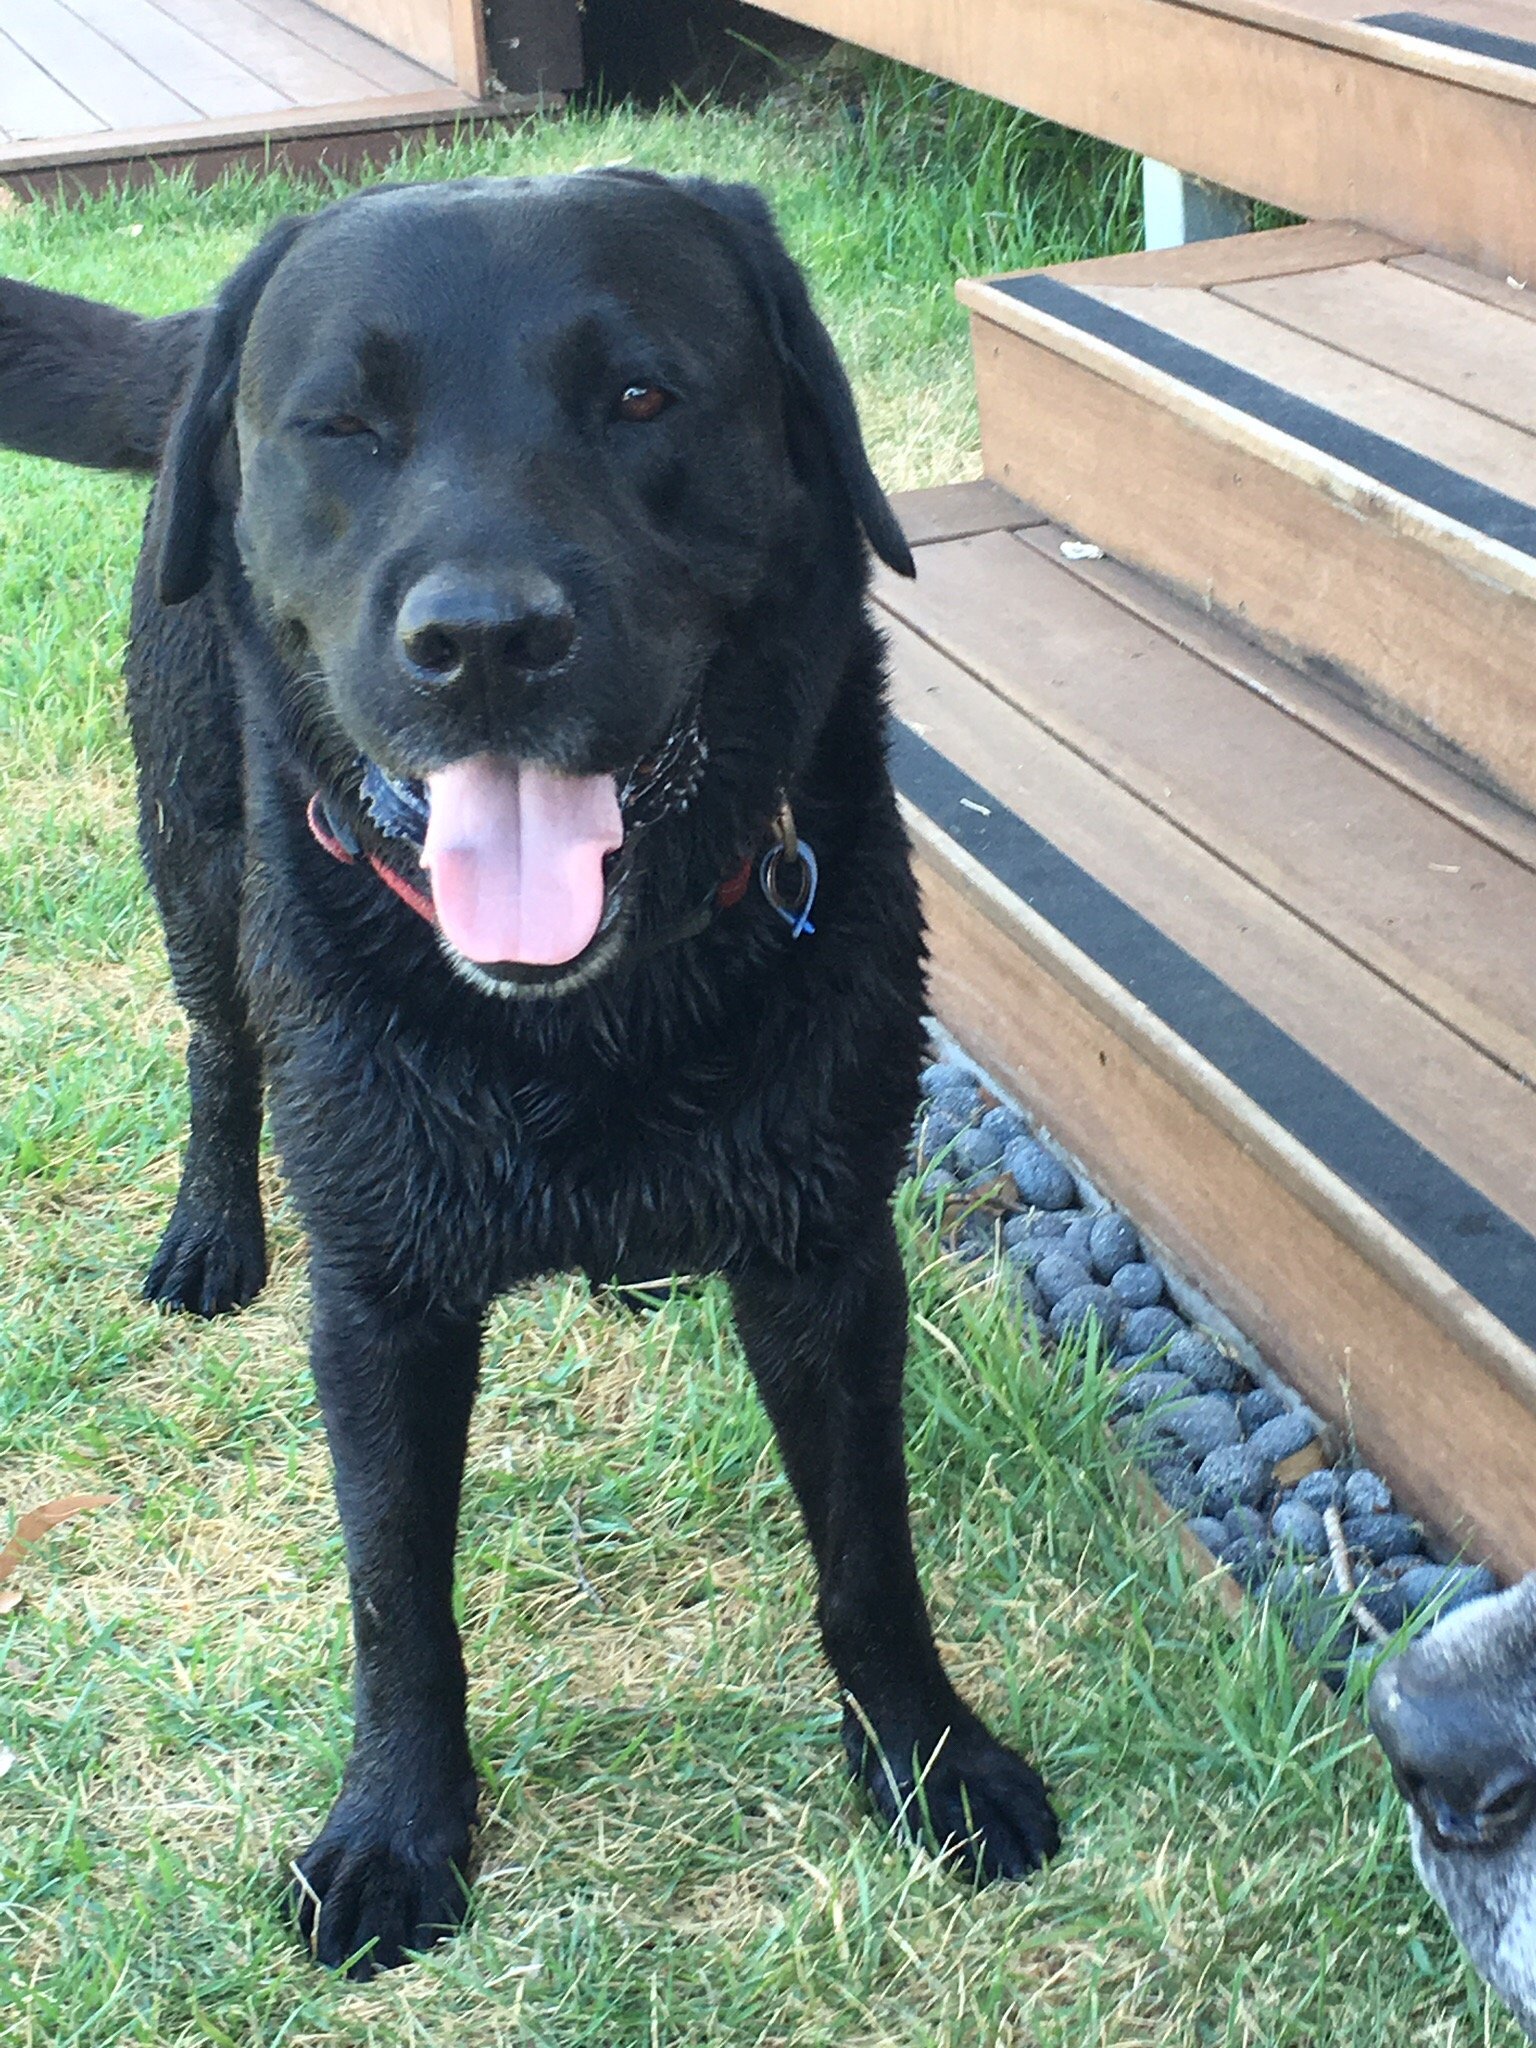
(527, 865)
(518, 856)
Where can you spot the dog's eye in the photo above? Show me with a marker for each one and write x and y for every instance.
(346, 426)
(641, 402)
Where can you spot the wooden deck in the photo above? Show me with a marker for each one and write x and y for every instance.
(92, 66)
(1258, 963)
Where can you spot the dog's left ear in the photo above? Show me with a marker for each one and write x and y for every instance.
(805, 349)
(188, 492)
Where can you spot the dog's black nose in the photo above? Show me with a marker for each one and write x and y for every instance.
(1454, 1759)
(454, 628)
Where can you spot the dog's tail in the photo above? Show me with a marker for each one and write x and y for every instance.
(87, 383)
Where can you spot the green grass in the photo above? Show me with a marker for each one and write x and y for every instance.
(670, 1853)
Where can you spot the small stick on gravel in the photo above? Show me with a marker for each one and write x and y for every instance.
(1344, 1578)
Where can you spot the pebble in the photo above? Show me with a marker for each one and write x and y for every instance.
(1366, 1493)
(1112, 1243)
(1247, 1561)
(976, 1150)
(1058, 1275)
(1041, 1179)
(1230, 1477)
(1300, 1528)
(1283, 1436)
(1205, 1423)
(1379, 1537)
(1037, 1230)
(1320, 1490)
(1136, 1394)
(1138, 1286)
(1148, 1329)
(1247, 1523)
(1211, 1532)
(937, 1180)
(1074, 1309)
(942, 1074)
(1258, 1407)
(1005, 1124)
(1176, 1484)
(936, 1130)
(1206, 1366)
(1459, 1583)
(1021, 1290)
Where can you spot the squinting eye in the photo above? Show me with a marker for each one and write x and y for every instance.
(642, 402)
(347, 426)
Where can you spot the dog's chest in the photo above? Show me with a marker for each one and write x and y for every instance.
(472, 1175)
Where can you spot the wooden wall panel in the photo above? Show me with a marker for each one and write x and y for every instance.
(448, 36)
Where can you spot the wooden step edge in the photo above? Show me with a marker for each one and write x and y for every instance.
(1436, 1389)
(1056, 325)
(1355, 729)
(1478, 61)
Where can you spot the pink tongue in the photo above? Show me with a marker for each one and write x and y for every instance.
(515, 853)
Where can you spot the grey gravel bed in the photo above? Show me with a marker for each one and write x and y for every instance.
(1225, 1443)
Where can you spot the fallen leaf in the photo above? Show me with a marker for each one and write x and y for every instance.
(10, 1599)
(36, 1523)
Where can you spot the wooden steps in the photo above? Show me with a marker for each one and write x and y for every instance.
(1319, 433)
(1264, 966)
(1419, 122)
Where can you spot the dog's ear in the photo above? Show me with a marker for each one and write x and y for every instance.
(805, 349)
(188, 495)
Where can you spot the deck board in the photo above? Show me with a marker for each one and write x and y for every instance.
(82, 67)
(101, 76)
(1395, 884)
(1479, 355)
(33, 103)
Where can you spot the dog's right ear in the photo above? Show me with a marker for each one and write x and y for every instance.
(188, 497)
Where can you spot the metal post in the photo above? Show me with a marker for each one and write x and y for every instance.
(1183, 209)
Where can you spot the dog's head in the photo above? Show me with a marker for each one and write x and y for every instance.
(1456, 1715)
(510, 464)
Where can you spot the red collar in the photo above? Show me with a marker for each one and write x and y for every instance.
(727, 895)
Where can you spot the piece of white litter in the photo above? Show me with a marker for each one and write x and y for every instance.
(8, 1759)
(1081, 551)
(971, 806)
(1516, 284)
(1442, 868)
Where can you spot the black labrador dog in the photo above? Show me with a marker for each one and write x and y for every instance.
(510, 738)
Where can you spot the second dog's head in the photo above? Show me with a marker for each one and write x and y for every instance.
(1456, 1715)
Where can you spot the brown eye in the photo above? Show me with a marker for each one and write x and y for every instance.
(346, 426)
(642, 402)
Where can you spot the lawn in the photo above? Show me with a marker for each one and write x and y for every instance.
(670, 1854)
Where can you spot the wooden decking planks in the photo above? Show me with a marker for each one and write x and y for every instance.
(1375, 928)
(1338, 454)
(79, 67)
(1191, 916)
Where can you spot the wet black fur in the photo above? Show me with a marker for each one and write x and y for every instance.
(736, 1102)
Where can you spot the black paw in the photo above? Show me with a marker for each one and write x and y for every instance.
(372, 1890)
(983, 1808)
(210, 1261)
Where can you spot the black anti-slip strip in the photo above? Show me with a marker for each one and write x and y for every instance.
(1457, 35)
(1445, 490)
(1491, 1256)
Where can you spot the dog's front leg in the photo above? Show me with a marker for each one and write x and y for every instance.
(396, 1387)
(827, 1348)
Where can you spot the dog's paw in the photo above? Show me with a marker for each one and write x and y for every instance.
(209, 1262)
(370, 1891)
(984, 1809)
